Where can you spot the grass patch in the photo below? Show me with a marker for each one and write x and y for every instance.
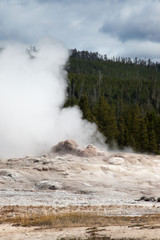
(83, 219)
(59, 217)
(72, 219)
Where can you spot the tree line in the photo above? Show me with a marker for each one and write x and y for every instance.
(121, 95)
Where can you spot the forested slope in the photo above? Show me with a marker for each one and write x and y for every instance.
(121, 95)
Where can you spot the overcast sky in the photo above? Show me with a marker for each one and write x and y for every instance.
(114, 27)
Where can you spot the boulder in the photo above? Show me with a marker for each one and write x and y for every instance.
(65, 147)
(91, 151)
(48, 185)
(147, 199)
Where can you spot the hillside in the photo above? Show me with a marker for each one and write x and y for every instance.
(121, 95)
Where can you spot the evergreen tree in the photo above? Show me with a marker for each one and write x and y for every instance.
(84, 106)
(126, 137)
(70, 102)
(121, 134)
(136, 124)
(143, 137)
(106, 121)
(152, 141)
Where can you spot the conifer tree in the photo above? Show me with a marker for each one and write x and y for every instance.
(136, 124)
(152, 141)
(106, 121)
(85, 108)
(143, 137)
(121, 134)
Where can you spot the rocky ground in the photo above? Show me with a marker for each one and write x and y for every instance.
(72, 177)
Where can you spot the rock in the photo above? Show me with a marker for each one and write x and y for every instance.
(151, 199)
(38, 169)
(48, 185)
(91, 151)
(36, 161)
(6, 173)
(116, 161)
(65, 146)
(147, 199)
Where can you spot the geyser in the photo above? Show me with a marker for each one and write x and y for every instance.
(32, 93)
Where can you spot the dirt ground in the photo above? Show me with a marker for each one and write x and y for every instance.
(119, 226)
(108, 185)
(9, 232)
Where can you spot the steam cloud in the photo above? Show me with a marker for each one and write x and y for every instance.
(32, 93)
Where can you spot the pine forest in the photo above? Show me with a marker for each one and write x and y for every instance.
(121, 95)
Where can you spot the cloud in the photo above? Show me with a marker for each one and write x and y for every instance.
(111, 27)
(29, 20)
(135, 22)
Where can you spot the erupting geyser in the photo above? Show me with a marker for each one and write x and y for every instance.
(32, 93)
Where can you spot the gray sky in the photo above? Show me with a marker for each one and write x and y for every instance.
(114, 27)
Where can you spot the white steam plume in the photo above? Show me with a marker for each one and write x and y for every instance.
(32, 92)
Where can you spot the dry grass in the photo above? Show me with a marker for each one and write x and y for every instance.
(71, 219)
(82, 219)
(95, 224)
